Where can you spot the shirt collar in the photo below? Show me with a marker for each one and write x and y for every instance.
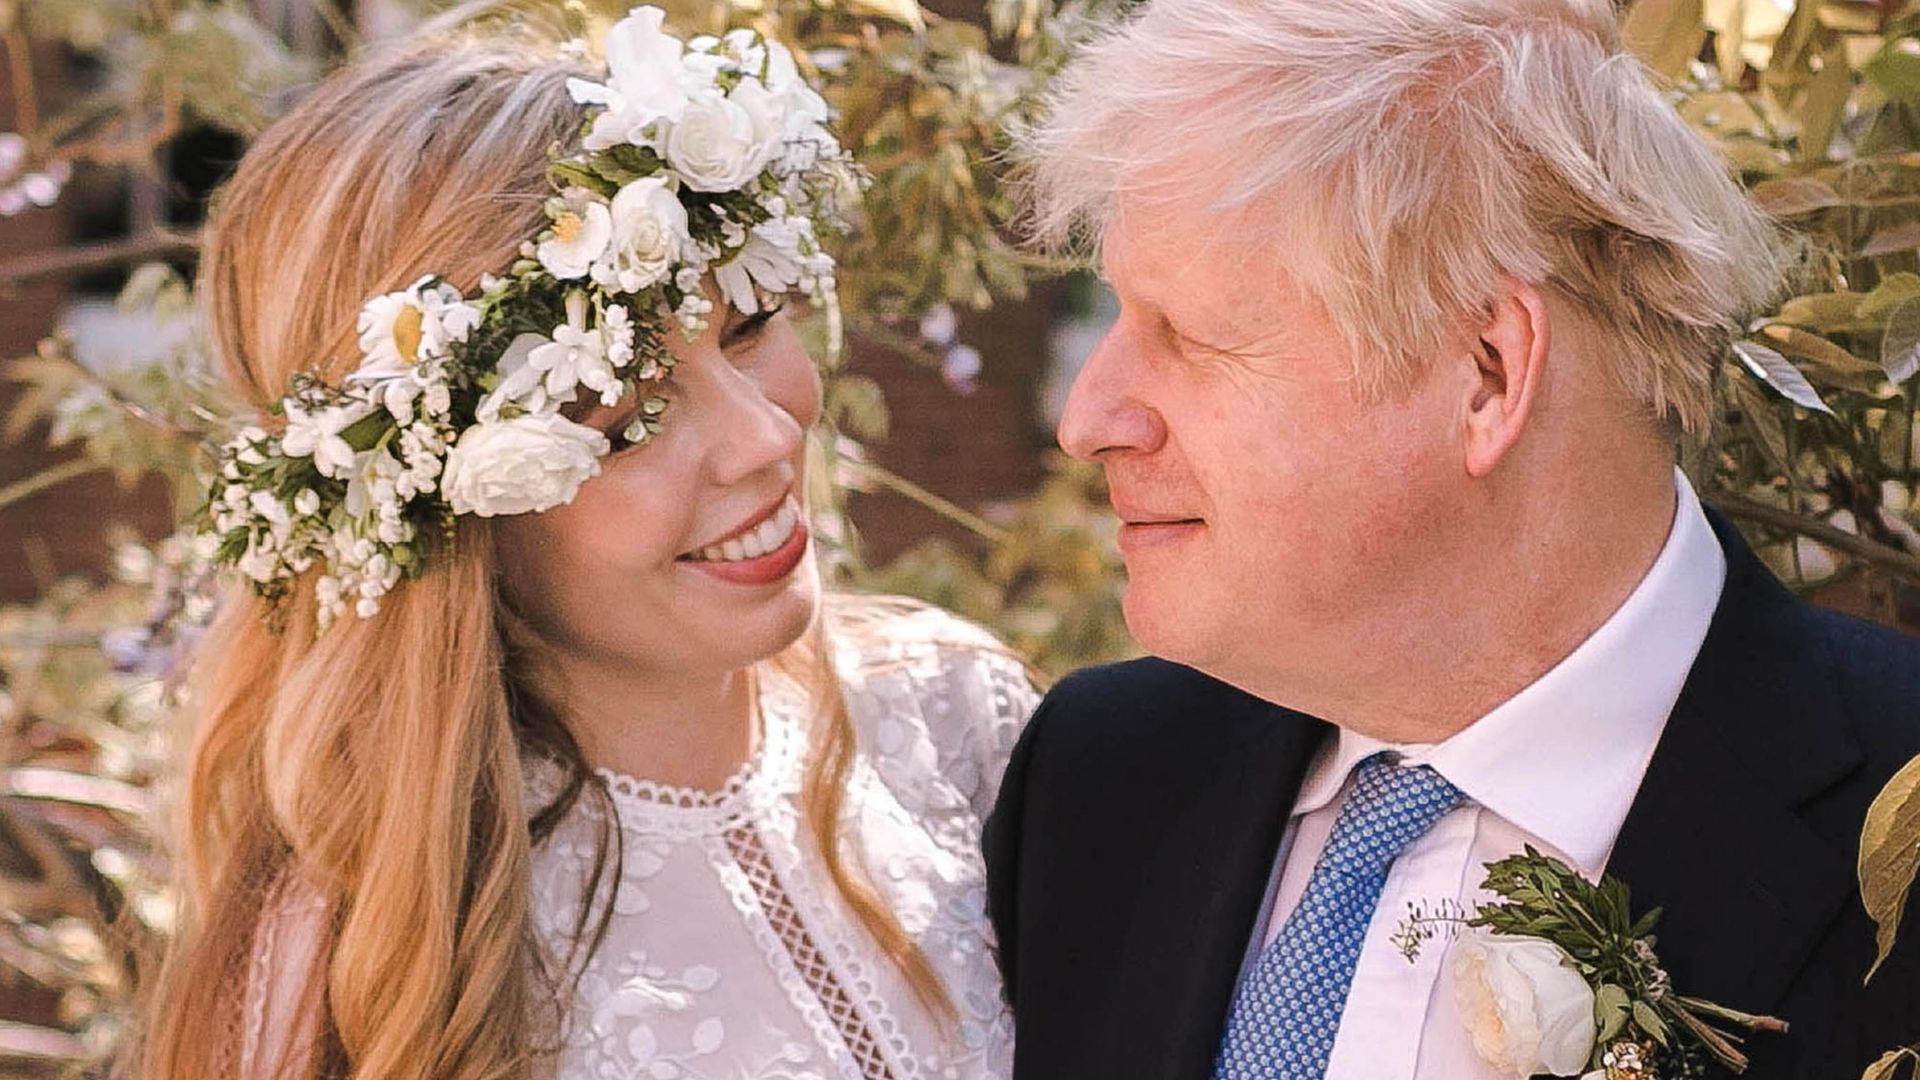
(1563, 758)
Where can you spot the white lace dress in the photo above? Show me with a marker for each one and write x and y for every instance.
(731, 955)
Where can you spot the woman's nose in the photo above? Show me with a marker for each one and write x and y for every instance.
(751, 431)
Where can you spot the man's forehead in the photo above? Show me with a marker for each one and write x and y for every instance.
(1198, 260)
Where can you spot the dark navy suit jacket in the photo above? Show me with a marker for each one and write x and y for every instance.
(1130, 850)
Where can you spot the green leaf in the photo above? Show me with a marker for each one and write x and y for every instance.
(1890, 855)
(1825, 104)
(1647, 1020)
(1894, 289)
(1610, 1009)
(1778, 372)
(1895, 69)
(1900, 345)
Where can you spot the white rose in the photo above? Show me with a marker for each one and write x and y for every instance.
(1528, 1010)
(582, 226)
(524, 465)
(649, 236)
(643, 81)
(720, 143)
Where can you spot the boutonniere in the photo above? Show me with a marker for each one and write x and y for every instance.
(1555, 976)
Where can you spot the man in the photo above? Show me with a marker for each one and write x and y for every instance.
(1418, 299)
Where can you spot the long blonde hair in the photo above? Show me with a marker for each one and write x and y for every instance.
(380, 765)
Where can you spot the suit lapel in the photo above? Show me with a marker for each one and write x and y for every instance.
(1714, 837)
(1206, 880)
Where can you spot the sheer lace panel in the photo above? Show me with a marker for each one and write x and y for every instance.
(743, 843)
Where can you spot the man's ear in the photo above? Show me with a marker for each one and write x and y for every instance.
(1510, 354)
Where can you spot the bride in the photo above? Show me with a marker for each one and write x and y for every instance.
(534, 748)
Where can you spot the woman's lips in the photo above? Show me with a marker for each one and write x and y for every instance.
(765, 569)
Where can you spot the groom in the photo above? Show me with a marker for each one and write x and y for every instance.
(1418, 301)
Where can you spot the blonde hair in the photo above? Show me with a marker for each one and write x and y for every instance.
(1400, 155)
(380, 764)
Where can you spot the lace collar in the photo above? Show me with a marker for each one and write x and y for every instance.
(772, 770)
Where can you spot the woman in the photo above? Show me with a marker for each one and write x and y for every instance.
(534, 752)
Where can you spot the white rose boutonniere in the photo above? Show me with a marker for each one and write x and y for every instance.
(1528, 1009)
(1555, 976)
(521, 466)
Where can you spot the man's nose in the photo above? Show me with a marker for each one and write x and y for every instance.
(1107, 409)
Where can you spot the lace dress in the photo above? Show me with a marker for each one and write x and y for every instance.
(731, 955)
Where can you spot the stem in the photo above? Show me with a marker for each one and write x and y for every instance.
(26, 109)
(1770, 1024)
(82, 258)
(1874, 554)
(46, 478)
(952, 511)
(337, 24)
(1714, 1040)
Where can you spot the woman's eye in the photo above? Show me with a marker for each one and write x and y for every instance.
(750, 327)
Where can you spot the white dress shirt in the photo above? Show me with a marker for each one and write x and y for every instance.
(1556, 766)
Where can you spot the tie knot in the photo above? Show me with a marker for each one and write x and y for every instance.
(1390, 807)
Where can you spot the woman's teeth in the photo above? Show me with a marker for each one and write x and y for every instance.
(759, 541)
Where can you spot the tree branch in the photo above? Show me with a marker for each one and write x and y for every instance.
(81, 258)
(1877, 555)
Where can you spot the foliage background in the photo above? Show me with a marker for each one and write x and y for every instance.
(1816, 106)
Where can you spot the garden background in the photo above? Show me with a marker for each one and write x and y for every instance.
(118, 117)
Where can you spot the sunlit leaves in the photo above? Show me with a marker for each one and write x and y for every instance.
(1890, 855)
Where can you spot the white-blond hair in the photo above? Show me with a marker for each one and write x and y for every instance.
(1398, 156)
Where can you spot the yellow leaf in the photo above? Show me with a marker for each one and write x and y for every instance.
(1731, 39)
(1889, 1061)
(1666, 34)
(1791, 195)
(1890, 854)
(1826, 354)
(900, 11)
(1823, 311)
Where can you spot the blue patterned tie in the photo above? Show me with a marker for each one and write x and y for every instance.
(1288, 1008)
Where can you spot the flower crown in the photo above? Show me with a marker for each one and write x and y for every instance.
(708, 157)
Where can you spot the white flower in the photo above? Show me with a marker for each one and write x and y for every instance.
(582, 225)
(649, 236)
(772, 258)
(402, 328)
(643, 81)
(318, 435)
(524, 465)
(520, 383)
(577, 356)
(260, 562)
(1528, 1010)
(720, 143)
(617, 324)
(805, 109)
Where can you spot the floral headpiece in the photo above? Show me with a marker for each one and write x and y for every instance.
(709, 157)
